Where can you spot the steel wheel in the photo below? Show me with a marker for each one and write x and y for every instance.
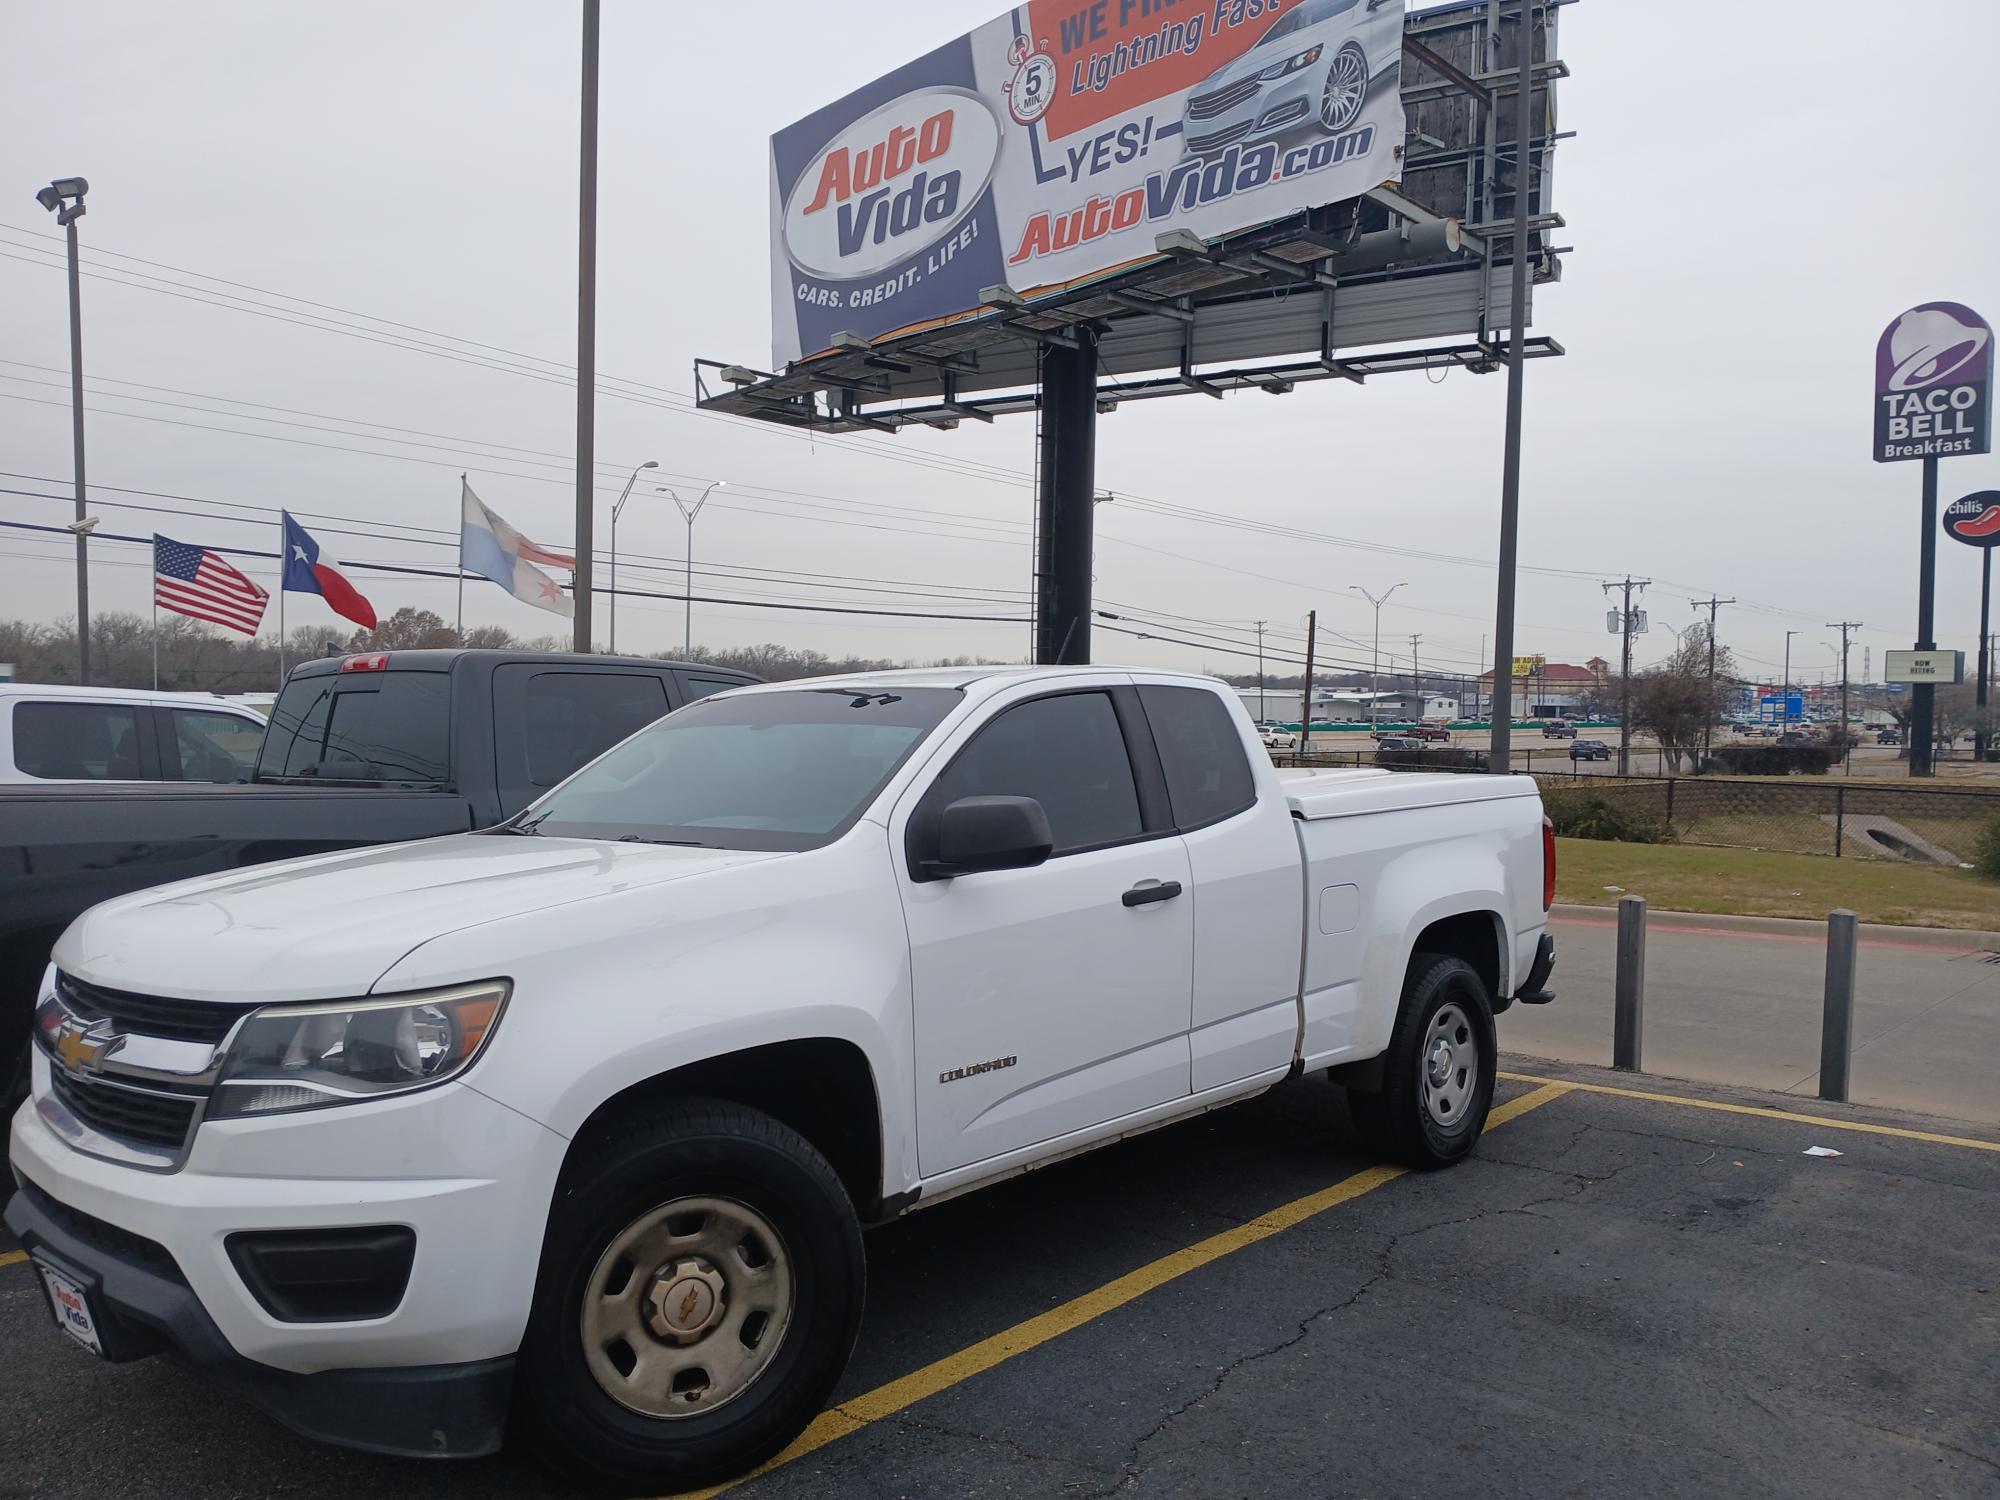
(1346, 89)
(1450, 1063)
(686, 1307)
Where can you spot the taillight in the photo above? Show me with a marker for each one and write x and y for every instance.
(1548, 863)
(375, 661)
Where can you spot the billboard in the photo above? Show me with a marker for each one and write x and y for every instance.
(1934, 384)
(1923, 666)
(1055, 143)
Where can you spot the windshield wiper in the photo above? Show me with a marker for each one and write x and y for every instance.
(860, 699)
(526, 826)
(635, 838)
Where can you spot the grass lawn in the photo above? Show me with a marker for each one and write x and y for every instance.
(1758, 883)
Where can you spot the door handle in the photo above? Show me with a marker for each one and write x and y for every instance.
(1146, 895)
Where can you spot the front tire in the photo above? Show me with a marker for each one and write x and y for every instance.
(700, 1292)
(1438, 1074)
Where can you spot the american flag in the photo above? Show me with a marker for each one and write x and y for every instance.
(194, 581)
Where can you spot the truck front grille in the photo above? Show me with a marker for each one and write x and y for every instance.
(149, 1117)
(155, 1015)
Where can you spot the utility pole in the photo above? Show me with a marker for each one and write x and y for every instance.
(1845, 627)
(1501, 739)
(1785, 693)
(1626, 620)
(1416, 679)
(586, 329)
(1306, 711)
(1711, 604)
(1262, 714)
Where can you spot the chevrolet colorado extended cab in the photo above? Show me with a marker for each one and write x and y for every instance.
(573, 1123)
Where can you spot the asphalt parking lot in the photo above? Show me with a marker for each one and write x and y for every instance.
(1634, 1288)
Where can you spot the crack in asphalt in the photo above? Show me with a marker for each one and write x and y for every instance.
(932, 1426)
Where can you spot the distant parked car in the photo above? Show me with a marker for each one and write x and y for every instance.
(1398, 742)
(1277, 738)
(1589, 750)
(1889, 737)
(55, 733)
(1795, 737)
(1430, 732)
(1557, 729)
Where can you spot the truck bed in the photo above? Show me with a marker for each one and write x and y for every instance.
(1314, 794)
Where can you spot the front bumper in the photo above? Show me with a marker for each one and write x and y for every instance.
(469, 1177)
(144, 1306)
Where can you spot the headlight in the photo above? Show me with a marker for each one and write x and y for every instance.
(1292, 64)
(291, 1057)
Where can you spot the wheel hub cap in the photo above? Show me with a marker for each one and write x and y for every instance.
(685, 1300)
(1439, 1065)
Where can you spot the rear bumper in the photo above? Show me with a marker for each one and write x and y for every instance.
(145, 1306)
(1535, 990)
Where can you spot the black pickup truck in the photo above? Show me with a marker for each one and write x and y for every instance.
(360, 750)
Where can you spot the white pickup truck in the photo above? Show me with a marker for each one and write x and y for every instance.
(575, 1122)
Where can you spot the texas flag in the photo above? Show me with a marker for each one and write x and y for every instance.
(306, 574)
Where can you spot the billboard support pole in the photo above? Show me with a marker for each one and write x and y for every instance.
(1501, 736)
(1979, 733)
(1923, 696)
(1068, 483)
(586, 328)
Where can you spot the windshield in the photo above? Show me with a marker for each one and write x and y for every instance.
(779, 771)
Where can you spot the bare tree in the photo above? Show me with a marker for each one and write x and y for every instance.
(1677, 702)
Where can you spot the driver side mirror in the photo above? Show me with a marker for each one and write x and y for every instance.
(988, 833)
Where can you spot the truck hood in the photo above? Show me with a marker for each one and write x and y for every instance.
(330, 925)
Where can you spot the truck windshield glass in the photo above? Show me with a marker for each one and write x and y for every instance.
(377, 726)
(779, 771)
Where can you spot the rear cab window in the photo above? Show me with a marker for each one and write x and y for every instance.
(1201, 753)
(387, 726)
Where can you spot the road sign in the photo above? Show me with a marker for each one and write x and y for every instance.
(1923, 666)
(1776, 709)
(1975, 520)
(1934, 384)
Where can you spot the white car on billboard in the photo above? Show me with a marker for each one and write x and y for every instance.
(1314, 70)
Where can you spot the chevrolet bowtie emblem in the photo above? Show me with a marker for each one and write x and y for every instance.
(78, 1049)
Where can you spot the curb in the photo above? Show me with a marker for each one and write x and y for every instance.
(1963, 939)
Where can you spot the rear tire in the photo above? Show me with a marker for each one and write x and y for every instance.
(1439, 1070)
(678, 1245)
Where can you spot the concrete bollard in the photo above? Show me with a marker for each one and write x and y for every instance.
(1836, 1029)
(1628, 1020)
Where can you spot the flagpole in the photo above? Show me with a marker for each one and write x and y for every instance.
(461, 559)
(281, 601)
(156, 620)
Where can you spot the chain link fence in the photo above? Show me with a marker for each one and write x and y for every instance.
(1836, 816)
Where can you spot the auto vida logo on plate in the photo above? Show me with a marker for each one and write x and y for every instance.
(899, 178)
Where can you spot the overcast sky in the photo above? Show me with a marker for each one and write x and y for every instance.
(1754, 191)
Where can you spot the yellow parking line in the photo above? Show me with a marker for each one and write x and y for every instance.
(1820, 1121)
(886, 1400)
(11, 1257)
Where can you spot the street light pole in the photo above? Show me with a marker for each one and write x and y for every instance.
(1375, 655)
(586, 327)
(689, 512)
(616, 508)
(64, 199)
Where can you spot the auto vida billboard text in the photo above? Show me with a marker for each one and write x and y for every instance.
(1055, 143)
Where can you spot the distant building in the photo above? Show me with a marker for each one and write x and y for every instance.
(1554, 691)
(1347, 705)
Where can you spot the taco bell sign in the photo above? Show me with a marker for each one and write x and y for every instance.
(1934, 384)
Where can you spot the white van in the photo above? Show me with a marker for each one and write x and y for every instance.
(49, 732)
